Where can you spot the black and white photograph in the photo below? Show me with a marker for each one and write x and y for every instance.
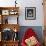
(30, 13)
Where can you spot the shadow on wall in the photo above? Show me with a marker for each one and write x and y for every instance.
(37, 29)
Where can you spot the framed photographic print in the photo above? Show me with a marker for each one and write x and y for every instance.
(5, 12)
(30, 13)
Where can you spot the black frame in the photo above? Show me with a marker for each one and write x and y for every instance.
(30, 13)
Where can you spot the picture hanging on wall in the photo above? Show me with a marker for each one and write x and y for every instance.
(30, 13)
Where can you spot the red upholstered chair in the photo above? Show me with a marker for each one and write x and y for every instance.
(29, 33)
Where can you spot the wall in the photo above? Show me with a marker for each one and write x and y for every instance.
(27, 3)
(39, 12)
(37, 30)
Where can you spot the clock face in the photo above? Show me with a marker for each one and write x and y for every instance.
(5, 12)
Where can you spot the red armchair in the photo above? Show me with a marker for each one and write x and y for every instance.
(28, 34)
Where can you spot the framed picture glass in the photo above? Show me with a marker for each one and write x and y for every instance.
(5, 12)
(30, 13)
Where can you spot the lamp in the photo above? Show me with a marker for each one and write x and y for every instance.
(15, 3)
(15, 30)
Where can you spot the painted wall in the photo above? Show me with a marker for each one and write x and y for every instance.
(37, 29)
(26, 3)
(39, 15)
